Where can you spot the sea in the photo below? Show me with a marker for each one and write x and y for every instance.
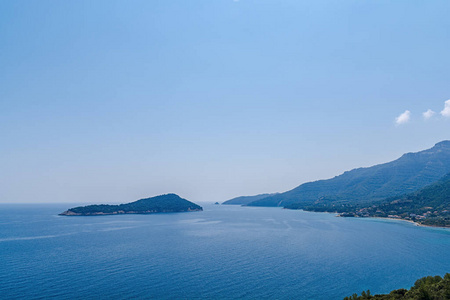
(223, 252)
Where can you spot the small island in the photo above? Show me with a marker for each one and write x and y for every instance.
(168, 203)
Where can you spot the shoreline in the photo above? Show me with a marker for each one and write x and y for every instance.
(399, 219)
(385, 218)
(409, 221)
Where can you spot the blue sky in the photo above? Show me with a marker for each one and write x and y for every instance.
(112, 101)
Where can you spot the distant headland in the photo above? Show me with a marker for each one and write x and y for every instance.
(168, 203)
(414, 187)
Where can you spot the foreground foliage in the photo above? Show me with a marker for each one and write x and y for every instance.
(426, 288)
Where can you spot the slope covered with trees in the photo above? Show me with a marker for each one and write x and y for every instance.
(428, 206)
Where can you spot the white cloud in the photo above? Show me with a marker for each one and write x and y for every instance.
(428, 114)
(403, 118)
(446, 111)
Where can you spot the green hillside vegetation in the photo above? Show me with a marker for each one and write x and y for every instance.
(407, 174)
(158, 204)
(428, 206)
(426, 288)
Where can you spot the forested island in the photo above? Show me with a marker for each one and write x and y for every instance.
(431, 287)
(168, 203)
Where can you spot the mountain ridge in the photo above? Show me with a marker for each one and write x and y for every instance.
(410, 172)
(244, 200)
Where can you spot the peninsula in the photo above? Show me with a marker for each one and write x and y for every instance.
(168, 203)
(363, 186)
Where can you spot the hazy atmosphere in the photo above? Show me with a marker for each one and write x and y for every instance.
(106, 101)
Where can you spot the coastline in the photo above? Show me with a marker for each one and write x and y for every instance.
(397, 219)
(385, 218)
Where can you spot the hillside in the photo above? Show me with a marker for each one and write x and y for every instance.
(428, 206)
(159, 204)
(409, 173)
(244, 200)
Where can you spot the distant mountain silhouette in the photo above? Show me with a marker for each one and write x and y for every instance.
(244, 200)
(409, 173)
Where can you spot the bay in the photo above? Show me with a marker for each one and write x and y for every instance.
(224, 252)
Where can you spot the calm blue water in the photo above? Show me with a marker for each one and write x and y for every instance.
(224, 252)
